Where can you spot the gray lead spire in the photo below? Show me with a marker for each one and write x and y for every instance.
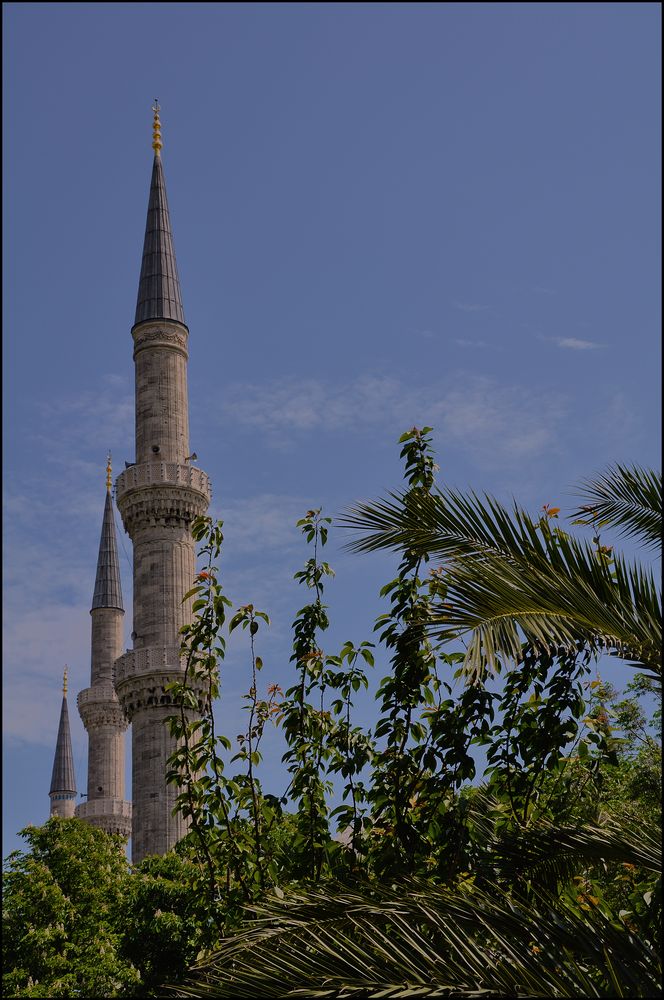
(108, 593)
(159, 286)
(63, 781)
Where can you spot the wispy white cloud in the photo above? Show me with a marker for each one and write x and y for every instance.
(615, 412)
(492, 422)
(72, 435)
(572, 344)
(264, 523)
(95, 420)
(304, 405)
(499, 425)
(38, 641)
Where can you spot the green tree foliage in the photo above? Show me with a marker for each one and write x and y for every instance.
(306, 724)
(78, 921)
(162, 923)
(62, 934)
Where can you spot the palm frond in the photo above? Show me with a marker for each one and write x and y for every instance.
(420, 940)
(551, 854)
(629, 498)
(509, 579)
(559, 601)
(441, 523)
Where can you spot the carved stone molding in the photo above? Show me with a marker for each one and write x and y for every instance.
(167, 508)
(94, 716)
(99, 706)
(172, 338)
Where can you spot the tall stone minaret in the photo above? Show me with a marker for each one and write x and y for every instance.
(158, 496)
(98, 705)
(63, 781)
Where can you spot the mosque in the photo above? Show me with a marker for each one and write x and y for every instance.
(157, 495)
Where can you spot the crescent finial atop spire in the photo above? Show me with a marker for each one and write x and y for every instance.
(156, 128)
(64, 683)
(109, 471)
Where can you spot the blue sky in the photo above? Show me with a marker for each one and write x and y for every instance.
(384, 215)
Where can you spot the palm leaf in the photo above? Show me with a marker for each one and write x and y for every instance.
(509, 578)
(629, 498)
(550, 855)
(420, 940)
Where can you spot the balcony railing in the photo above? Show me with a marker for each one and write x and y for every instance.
(168, 473)
(104, 807)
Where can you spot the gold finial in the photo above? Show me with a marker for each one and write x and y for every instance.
(109, 480)
(64, 683)
(156, 128)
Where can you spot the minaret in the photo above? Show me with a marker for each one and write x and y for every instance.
(158, 497)
(98, 705)
(63, 782)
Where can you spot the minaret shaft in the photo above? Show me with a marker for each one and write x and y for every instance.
(162, 407)
(155, 830)
(164, 567)
(101, 712)
(107, 644)
(106, 762)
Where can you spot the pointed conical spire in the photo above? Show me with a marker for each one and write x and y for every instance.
(159, 286)
(63, 780)
(108, 592)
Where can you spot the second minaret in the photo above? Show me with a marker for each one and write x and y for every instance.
(98, 704)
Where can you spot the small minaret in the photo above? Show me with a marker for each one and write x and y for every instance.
(158, 497)
(98, 705)
(63, 781)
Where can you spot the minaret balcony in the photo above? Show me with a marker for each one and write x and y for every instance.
(162, 474)
(164, 493)
(111, 815)
(142, 677)
(99, 706)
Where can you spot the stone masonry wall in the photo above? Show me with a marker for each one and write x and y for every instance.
(162, 406)
(164, 567)
(106, 762)
(155, 829)
(107, 644)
